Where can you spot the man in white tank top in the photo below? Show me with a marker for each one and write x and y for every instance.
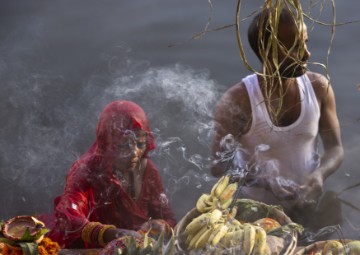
(275, 117)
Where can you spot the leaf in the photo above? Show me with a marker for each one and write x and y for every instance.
(159, 244)
(42, 232)
(170, 246)
(125, 251)
(117, 251)
(287, 229)
(8, 241)
(29, 248)
(147, 250)
(132, 246)
(27, 237)
(147, 241)
(2, 223)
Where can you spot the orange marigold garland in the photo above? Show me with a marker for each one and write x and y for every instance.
(42, 251)
(9, 251)
(48, 247)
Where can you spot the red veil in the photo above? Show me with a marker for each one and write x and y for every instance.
(93, 192)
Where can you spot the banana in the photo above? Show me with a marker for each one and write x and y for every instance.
(215, 216)
(235, 222)
(195, 238)
(331, 245)
(339, 251)
(220, 186)
(228, 192)
(211, 203)
(201, 203)
(218, 233)
(233, 237)
(354, 247)
(260, 241)
(197, 223)
(226, 203)
(233, 225)
(189, 237)
(203, 239)
(233, 211)
(249, 239)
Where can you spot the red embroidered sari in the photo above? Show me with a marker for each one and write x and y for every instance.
(94, 193)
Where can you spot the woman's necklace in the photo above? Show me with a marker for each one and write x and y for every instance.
(128, 184)
(132, 186)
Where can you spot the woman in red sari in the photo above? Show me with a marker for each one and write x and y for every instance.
(114, 188)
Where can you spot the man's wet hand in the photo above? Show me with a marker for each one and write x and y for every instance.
(283, 189)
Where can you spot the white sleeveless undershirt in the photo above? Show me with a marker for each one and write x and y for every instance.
(293, 148)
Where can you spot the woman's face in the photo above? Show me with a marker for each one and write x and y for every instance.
(129, 149)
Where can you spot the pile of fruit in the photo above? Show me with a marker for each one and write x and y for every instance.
(129, 245)
(332, 247)
(215, 225)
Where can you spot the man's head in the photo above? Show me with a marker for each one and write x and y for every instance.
(285, 35)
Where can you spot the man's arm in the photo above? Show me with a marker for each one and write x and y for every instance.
(232, 116)
(329, 130)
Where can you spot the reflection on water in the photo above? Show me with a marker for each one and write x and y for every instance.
(61, 65)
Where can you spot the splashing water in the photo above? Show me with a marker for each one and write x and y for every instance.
(252, 169)
(311, 236)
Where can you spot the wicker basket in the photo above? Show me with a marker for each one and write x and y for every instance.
(179, 230)
(248, 211)
(315, 247)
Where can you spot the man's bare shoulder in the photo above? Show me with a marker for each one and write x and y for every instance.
(318, 80)
(233, 111)
(236, 95)
(320, 84)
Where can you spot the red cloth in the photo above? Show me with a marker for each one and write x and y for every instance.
(93, 192)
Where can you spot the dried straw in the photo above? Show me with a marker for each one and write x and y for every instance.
(271, 74)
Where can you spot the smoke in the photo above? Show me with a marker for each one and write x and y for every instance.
(56, 79)
(179, 102)
(47, 127)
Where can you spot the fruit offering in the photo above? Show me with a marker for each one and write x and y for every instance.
(216, 225)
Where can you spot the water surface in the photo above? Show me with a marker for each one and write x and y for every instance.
(63, 61)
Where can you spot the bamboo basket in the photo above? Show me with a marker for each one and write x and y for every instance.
(309, 249)
(248, 211)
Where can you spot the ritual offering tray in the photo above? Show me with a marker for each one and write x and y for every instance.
(220, 225)
(23, 228)
(334, 246)
(25, 235)
(146, 245)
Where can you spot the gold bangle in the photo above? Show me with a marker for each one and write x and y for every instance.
(87, 230)
(101, 234)
(95, 233)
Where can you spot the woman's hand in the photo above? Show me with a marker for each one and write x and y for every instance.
(115, 233)
(156, 227)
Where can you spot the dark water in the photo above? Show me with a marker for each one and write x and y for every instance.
(63, 61)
